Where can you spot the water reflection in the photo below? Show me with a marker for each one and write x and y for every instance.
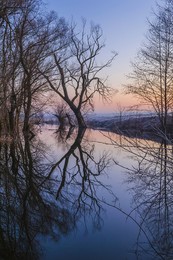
(26, 211)
(151, 183)
(46, 191)
(40, 196)
(77, 173)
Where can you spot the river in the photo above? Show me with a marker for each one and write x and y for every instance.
(86, 195)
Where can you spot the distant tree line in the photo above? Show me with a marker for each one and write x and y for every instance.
(40, 52)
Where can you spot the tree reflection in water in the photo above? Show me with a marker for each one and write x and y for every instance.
(151, 183)
(40, 197)
(77, 175)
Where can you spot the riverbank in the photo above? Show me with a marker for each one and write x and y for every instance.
(146, 127)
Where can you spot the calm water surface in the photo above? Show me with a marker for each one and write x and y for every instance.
(86, 195)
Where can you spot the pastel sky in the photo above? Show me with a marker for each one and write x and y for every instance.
(124, 24)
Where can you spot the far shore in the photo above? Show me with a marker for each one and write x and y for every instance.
(145, 127)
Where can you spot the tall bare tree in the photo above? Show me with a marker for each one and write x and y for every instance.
(152, 71)
(8, 58)
(35, 39)
(76, 77)
(27, 40)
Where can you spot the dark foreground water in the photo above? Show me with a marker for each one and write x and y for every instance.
(85, 195)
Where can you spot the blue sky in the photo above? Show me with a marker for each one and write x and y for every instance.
(124, 24)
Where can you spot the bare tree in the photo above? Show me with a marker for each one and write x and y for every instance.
(28, 39)
(152, 71)
(76, 77)
(37, 51)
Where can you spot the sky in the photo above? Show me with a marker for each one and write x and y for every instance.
(124, 25)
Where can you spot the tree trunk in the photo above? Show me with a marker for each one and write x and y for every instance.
(80, 119)
(27, 109)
